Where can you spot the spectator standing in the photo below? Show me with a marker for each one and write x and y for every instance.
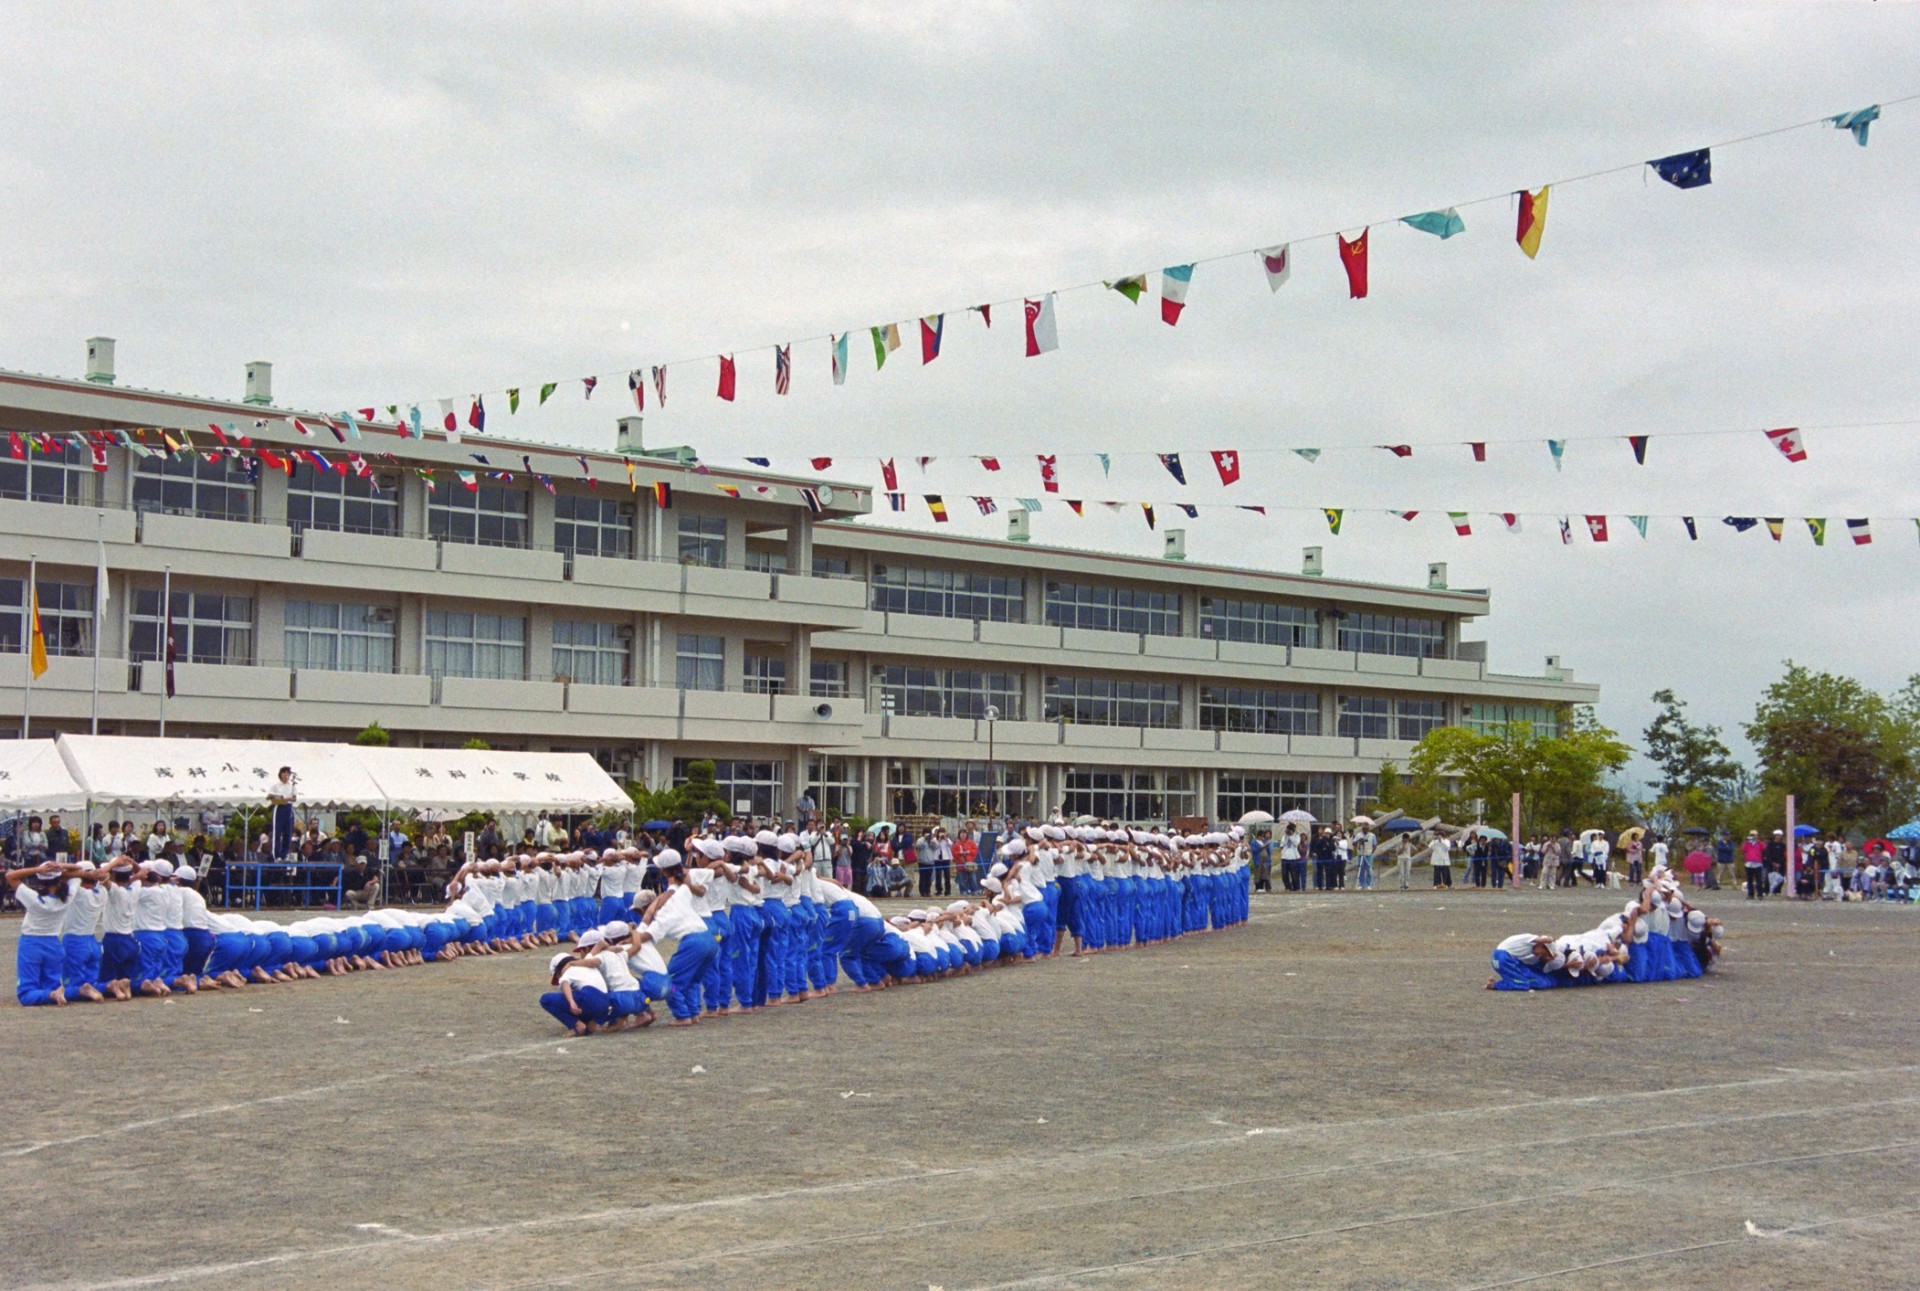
(1440, 857)
(1364, 843)
(1293, 867)
(966, 860)
(925, 852)
(1260, 852)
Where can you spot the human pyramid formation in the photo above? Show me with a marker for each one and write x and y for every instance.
(1658, 937)
(752, 924)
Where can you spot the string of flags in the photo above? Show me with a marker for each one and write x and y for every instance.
(1683, 170)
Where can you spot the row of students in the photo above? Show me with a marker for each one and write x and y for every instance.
(752, 924)
(1657, 937)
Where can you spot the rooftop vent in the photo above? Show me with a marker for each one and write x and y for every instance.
(1176, 545)
(1437, 576)
(626, 439)
(1020, 525)
(1311, 563)
(100, 359)
(259, 384)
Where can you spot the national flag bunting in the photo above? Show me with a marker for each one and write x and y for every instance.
(1353, 258)
(1639, 523)
(1174, 281)
(513, 400)
(897, 501)
(1278, 264)
(1172, 462)
(1049, 474)
(1740, 524)
(1776, 526)
(637, 383)
(986, 505)
(1597, 528)
(1227, 462)
(1191, 511)
(782, 368)
(989, 463)
(811, 496)
(937, 507)
(1512, 520)
(1399, 450)
(1461, 525)
(1857, 122)
(1043, 335)
(1442, 224)
(1333, 515)
(1787, 440)
(930, 329)
(838, 349)
(1479, 451)
(1860, 531)
(660, 384)
(1146, 509)
(468, 480)
(886, 340)
(589, 383)
(1533, 221)
(728, 489)
(1028, 504)
(1817, 528)
(1558, 447)
(1079, 508)
(820, 463)
(1693, 532)
(726, 377)
(985, 312)
(1566, 531)
(889, 474)
(1639, 446)
(1310, 454)
(477, 414)
(547, 389)
(1132, 288)
(662, 495)
(1686, 169)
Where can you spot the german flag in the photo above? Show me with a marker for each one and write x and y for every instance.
(939, 508)
(663, 495)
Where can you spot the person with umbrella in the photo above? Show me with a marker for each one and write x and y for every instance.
(1363, 845)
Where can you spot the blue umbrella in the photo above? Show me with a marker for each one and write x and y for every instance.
(1401, 826)
(657, 824)
(1804, 831)
(1907, 833)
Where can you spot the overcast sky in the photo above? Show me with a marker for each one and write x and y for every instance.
(401, 203)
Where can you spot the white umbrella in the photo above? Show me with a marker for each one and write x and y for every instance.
(1362, 820)
(1086, 820)
(1257, 818)
(1299, 817)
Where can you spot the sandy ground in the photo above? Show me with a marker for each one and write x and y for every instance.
(1325, 1097)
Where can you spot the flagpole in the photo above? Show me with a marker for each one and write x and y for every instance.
(99, 614)
(26, 644)
(166, 641)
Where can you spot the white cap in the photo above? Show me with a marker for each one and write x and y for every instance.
(1014, 847)
(991, 884)
(610, 854)
(85, 865)
(1054, 832)
(767, 838)
(1036, 833)
(787, 843)
(591, 937)
(1696, 921)
(708, 847)
(558, 960)
(740, 845)
(186, 872)
(956, 905)
(898, 921)
(665, 857)
(161, 866)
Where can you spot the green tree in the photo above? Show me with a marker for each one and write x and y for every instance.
(1689, 756)
(653, 804)
(1846, 753)
(477, 744)
(700, 794)
(373, 735)
(1562, 780)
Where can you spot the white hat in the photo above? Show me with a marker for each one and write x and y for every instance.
(559, 959)
(710, 848)
(85, 864)
(1696, 921)
(787, 843)
(186, 872)
(898, 921)
(1054, 832)
(1014, 847)
(665, 857)
(767, 838)
(991, 884)
(611, 854)
(591, 937)
(618, 929)
(161, 866)
(956, 905)
(740, 845)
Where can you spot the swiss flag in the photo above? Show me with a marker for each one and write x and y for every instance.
(1597, 528)
(1788, 441)
(1227, 462)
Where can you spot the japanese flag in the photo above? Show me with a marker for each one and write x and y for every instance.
(1278, 262)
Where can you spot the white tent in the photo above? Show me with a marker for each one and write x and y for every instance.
(34, 778)
(492, 780)
(133, 771)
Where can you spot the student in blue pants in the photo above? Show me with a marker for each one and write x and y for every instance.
(580, 1003)
(40, 960)
(80, 938)
(672, 916)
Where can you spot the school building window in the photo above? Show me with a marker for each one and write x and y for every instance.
(208, 627)
(1259, 622)
(1394, 634)
(1264, 712)
(592, 653)
(190, 485)
(490, 516)
(339, 636)
(949, 593)
(950, 692)
(342, 503)
(1103, 607)
(1105, 701)
(588, 525)
(491, 646)
(701, 662)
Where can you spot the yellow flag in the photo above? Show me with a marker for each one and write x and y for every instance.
(1533, 221)
(37, 657)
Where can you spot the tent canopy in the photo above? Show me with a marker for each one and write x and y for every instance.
(34, 778)
(134, 771)
(492, 780)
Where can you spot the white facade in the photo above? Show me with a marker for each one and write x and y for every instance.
(795, 650)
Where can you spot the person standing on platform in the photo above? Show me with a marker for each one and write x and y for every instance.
(281, 796)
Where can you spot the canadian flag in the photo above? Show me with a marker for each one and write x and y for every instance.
(1227, 462)
(1043, 334)
(1049, 474)
(1788, 441)
(100, 460)
(1597, 528)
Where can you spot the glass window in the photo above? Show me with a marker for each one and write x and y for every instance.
(766, 674)
(65, 476)
(1488, 719)
(750, 788)
(829, 678)
(208, 627)
(190, 485)
(342, 503)
(1369, 717)
(587, 524)
(592, 653)
(66, 617)
(827, 565)
(702, 662)
(492, 646)
(1259, 622)
(1131, 797)
(1240, 794)
(950, 692)
(1106, 608)
(1266, 712)
(1108, 701)
(835, 785)
(767, 560)
(703, 540)
(956, 790)
(492, 515)
(1394, 634)
(1413, 718)
(339, 636)
(949, 593)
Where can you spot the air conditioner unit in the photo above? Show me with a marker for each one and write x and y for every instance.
(388, 482)
(628, 510)
(879, 571)
(380, 614)
(624, 632)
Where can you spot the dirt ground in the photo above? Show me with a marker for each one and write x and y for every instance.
(1324, 1098)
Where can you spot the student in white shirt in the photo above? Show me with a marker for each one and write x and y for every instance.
(80, 936)
(581, 1003)
(674, 916)
(40, 958)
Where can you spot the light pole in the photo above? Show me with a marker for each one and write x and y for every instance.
(992, 715)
